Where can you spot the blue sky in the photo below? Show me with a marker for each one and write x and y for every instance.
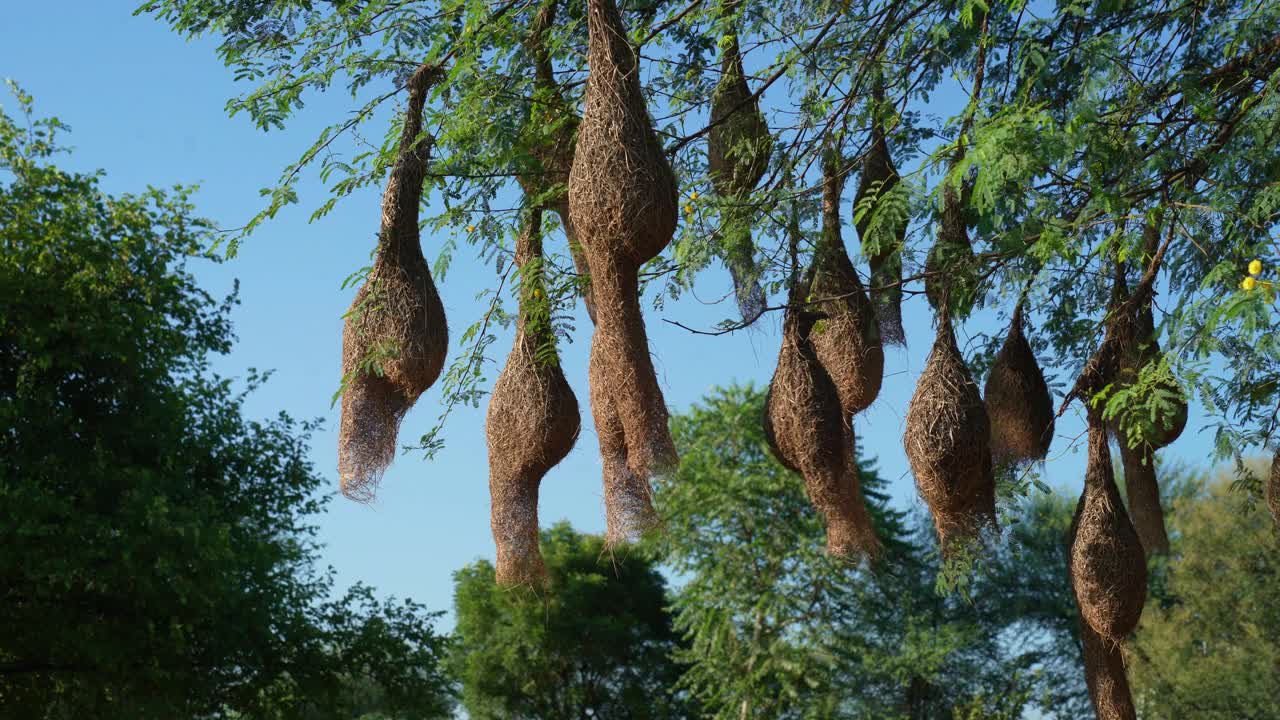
(148, 107)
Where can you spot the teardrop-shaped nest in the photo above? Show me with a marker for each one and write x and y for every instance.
(847, 340)
(622, 202)
(951, 268)
(1273, 489)
(1170, 421)
(1018, 400)
(809, 434)
(884, 252)
(622, 192)
(739, 142)
(948, 443)
(532, 424)
(1108, 566)
(1105, 676)
(395, 336)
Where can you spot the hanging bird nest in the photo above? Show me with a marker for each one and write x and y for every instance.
(1018, 400)
(532, 424)
(847, 341)
(884, 250)
(1106, 677)
(1108, 567)
(622, 202)
(395, 336)
(628, 499)
(1170, 420)
(1143, 492)
(1273, 488)
(951, 268)
(948, 443)
(809, 434)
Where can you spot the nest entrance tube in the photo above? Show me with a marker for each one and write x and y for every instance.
(532, 422)
(1018, 400)
(1106, 677)
(847, 340)
(396, 322)
(883, 250)
(951, 268)
(948, 444)
(809, 434)
(622, 203)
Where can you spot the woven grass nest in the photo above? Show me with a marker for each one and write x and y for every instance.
(1106, 677)
(395, 336)
(622, 202)
(1018, 401)
(948, 443)
(738, 149)
(1273, 489)
(884, 253)
(1107, 563)
(847, 340)
(951, 268)
(809, 434)
(532, 423)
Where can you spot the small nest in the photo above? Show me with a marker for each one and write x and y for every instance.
(738, 149)
(951, 268)
(808, 433)
(948, 443)
(1106, 677)
(622, 202)
(1018, 400)
(395, 337)
(884, 253)
(532, 423)
(1143, 492)
(1273, 489)
(1108, 567)
(847, 341)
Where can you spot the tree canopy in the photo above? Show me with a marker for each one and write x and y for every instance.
(157, 548)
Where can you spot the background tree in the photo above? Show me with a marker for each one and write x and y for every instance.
(599, 644)
(1208, 648)
(156, 551)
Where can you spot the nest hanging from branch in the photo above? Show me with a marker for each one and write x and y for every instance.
(395, 337)
(847, 340)
(622, 202)
(532, 423)
(808, 433)
(1018, 400)
(1273, 488)
(738, 149)
(1105, 676)
(1108, 566)
(951, 268)
(884, 250)
(1143, 492)
(948, 443)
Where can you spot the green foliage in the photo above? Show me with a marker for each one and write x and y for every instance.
(1208, 649)
(598, 645)
(157, 552)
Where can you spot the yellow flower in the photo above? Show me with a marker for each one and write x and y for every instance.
(688, 209)
(694, 196)
(1255, 267)
(1249, 283)
(471, 228)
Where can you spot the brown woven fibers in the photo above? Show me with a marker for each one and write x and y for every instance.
(883, 252)
(1108, 567)
(1105, 676)
(532, 424)
(622, 202)
(395, 337)
(948, 443)
(847, 341)
(809, 434)
(1143, 492)
(738, 148)
(1018, 400)
(951, 267)
(1273, 488)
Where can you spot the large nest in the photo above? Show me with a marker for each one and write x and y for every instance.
(738, 148)
(1105, 676)
(396, 336)
(951, 268)
(1108, 567)
(622, 202)
(847, 341)
(882, 249)
(532, 424)
(948, 443)
(1018, 400)
(809, 434)
(1273, 488)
